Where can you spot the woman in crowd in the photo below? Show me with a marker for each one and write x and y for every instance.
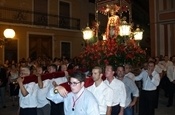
(14, 87)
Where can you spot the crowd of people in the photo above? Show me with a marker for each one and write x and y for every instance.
(114, 91)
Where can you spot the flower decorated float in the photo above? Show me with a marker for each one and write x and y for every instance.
(121, 44)
(112, 51)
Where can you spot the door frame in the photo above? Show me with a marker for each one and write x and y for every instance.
(39, 33)
(70, 47)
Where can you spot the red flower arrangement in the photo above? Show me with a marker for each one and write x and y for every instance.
(112, 51)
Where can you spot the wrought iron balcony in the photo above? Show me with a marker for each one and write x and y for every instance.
(18, 16)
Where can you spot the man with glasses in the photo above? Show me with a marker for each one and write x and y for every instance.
(79, 101)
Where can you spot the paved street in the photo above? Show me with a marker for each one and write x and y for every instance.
(162, 109)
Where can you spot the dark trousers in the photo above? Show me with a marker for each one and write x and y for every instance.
(115, 110)
(171, 91)
(57, 109)
(14, 89)
(2, 96)
(147, 102)
(28, 111)
(44, 110)
(164, 84)
(157, 97)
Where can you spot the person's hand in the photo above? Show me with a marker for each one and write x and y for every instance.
(149, 72)
(20, 80)
(37, 74)
(131, 104)
(61, 90)
(121, 113)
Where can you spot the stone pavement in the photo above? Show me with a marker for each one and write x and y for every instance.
(161, 110)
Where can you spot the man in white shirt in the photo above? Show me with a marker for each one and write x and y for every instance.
(56, 108)
(43, 106)
(165, 81)
(159, 68)
(118, 89)
(131, 88)
(171, 86)
(167, 62)
(27, 94)
(79, 101)
(102, 92)
(151, 80)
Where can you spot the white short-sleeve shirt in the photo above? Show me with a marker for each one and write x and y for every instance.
(130, 75)
(29, 101)
(119, 91)
(104, 95)
(42, 92)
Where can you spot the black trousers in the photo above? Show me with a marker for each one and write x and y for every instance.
(147, 102)
(115, 110)
(164, 84)
(57, 109)
(28, 111)
(157, 97)
(171, 91)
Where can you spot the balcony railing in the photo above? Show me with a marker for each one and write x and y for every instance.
(18, 16)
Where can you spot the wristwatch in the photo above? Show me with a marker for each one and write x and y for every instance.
(55, 91)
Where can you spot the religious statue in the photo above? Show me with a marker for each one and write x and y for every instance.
(112, 29)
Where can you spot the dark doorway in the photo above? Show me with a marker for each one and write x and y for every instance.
(40, 46)
(10, 50)
(66, 49)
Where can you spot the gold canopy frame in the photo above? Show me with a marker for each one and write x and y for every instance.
(120, 6)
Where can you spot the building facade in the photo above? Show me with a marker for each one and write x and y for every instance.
(52, 28)
(162, 25)
(49, 28)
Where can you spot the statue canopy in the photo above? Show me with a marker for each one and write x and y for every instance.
(105, 6)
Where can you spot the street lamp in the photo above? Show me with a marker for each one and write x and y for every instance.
(87, 34)
(124, 28)
(9, 33)
(138, 34)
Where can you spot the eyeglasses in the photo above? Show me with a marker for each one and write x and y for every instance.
(73, 83)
